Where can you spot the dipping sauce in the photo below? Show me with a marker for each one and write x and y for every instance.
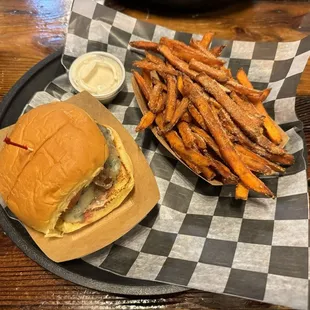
(99, 73)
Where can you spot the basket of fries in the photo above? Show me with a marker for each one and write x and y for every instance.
(212, 122)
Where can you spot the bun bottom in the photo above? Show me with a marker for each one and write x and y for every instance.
(115, 195)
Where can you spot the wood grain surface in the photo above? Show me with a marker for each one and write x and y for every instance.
(32, 29)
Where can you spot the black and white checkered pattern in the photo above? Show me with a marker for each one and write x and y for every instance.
(198, 236)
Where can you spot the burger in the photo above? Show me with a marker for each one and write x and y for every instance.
(74, 172)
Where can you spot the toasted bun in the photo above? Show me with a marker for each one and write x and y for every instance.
(69, 151)
(113, 197)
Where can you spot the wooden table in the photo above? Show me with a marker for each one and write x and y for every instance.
(32, 29)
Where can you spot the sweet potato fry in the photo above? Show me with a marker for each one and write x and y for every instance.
(196, 169)
(171, 98)
(180, 84)
(230, 126)
(241, 192)
(252, 94)
(227, 176)
(144, 45)
(156, 81)
(154, 75)
(255, 166)
(144, 64)
(271, 127)
(195, 44)
(178, 45)
(146, 121)
(153, 58)
(208, 139)
(187, 135)
(254, 98)
(161, 104)
(197, 116)
(243, 78)
(186, 154)
(243, 120)
(217, 50)
(285, 159)
(186, 52)
(186, 117)
(269, 146)
(179, 111)
(171, 43)
(217, 74)
(155, 98)
(214, 103)
(241, 149)
(188, 55)
(248, 108)
(176, 62)
(200, 142)
(206, 39)
(199, 160)
(169, 65)
(225, 89)
(235, 133)
(147, 78)
(227, 70)
(145, 89)
(227, 150)
(265, 94)
(208, 173)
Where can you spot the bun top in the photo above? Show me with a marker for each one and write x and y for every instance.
(68, 151)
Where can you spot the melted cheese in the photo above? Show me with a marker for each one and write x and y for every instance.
(75, 214)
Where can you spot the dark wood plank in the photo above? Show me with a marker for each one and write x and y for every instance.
(32, 29)
(29, 31)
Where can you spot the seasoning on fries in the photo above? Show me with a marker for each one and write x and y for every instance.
(196, 116)
(187, 135)
(147, 65)
(186, 117)
(155, 98)
(216, 124)
(171, 98)
(272, 129)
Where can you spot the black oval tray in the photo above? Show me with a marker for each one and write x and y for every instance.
(76, 271)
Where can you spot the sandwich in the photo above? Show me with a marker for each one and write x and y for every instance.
(73, 172)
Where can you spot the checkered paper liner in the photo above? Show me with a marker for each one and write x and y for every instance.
(198, 236)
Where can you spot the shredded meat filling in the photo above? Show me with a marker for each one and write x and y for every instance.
(101, 183)
(108, 175)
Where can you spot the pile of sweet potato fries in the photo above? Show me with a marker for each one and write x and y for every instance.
(216, 124)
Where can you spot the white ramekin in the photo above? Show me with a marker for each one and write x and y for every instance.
(106, 97)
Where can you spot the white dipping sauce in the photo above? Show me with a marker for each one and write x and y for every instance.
(98, 73)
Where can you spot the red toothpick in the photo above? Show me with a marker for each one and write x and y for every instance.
(7, 140)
